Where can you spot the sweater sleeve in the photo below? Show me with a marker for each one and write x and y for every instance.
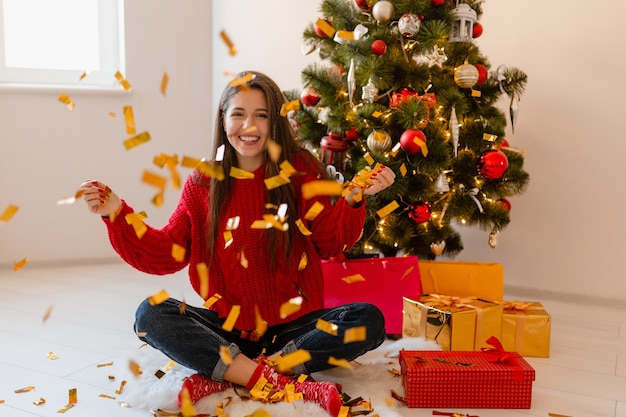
(152, 252)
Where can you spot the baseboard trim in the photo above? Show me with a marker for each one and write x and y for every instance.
(535, 294)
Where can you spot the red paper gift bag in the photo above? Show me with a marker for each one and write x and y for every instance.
(379, 281)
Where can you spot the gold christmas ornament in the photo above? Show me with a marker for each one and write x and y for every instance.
(438, 247)
(379, 141)
(466, 76)
(383, 11)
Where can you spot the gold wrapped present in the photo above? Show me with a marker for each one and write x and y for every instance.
(526, 328)
(454, 323)
(463, 279)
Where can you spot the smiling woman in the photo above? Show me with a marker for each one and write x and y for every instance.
(64, 42)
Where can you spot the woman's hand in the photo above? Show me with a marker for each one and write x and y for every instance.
(100, 199)
(380, 180)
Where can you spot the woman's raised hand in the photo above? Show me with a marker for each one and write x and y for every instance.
(100, 198)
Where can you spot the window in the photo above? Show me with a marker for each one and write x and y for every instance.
(61, 42)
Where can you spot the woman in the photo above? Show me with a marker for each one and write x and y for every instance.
(253, 271)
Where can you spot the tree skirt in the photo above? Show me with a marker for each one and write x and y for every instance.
(372, 377)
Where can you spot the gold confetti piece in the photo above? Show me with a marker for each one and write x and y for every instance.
(178, 252)
(225, 355)
(203, 276)
(321, 187)
(26, 389)
(125, 405)
(121, 388)
(46, 315)
(8, 213)
(314, 211)
(369, 158)
(161, 372)
(108, 397)
(129, 119)
(20, 264)
(261, 325)
(276, 181)
(1, 401)
(82, 76)
(403, 170)
(158, 298)
(344, 411)
(73, 394)
(214, 299)
(288, 308)
(390, 402)
(287, 169)
(52, 356)
(344, 34)
(274, 150)
(230, 321)
(153, 179)
(243, 260)
(102, 365)
(137, 140)
(489, 137)
(233, 223)
(353, 278)
(142, 334)
(120, 78)
(71, 200)
(182, 307)
(287, 362)
(325, 27)
(326, 326)
(476, 93)
(232, 49)
(65, 99)
(304, 260)
(385, 211)
(228, 238)
(259, 413)
(40, 402)
(557, 415)
(240, 173)
(112, 114)
(242, 81)
(135, 368)
(186, 406)
(111, 378)
(355, 334)
(287, 107)
(407, 272)
(164, 81)
(339, 362)
(302, 378)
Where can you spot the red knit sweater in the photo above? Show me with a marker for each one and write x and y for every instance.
(337, 227)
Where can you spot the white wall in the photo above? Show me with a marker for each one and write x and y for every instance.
(567, 231)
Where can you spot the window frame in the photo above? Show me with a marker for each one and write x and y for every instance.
(112, 58)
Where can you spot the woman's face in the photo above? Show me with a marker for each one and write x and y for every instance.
(247, 125)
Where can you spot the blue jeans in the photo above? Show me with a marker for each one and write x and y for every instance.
(193, 339)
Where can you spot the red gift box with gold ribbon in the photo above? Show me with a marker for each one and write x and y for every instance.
(491, 378)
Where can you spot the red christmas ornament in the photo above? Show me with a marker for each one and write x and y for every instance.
(400, 96)
(412, 141)
(351, 134)
(310, 96)
(419, 212)
(365, 5)
(506, 203)
(333, 150)
(492, 164)
(378, 47)
(477, 30)
(319, 30)
(437, 2)
(483, 73)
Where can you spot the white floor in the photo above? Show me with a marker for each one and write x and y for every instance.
(83, 316)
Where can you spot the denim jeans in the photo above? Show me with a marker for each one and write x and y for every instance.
(193, 338)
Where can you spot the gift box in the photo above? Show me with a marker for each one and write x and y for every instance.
(463, 279)
(454, 323)
(379, 281)
(491, 378)
(526, 328)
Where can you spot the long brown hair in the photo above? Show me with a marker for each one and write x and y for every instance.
(283, 134)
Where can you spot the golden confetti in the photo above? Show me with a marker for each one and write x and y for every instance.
(327, 327)
(73, 394)
(136, 220)
(52, 356)
(243, 260)
(344, 411)
(153, 179)
(120, 78)
(403, 170)
(112, 114)
(344, 34)
(20, 264)
(259, 413)
(111, 378)
(214, 299)
(407, 272)
(276, 181)
(178, 252)
(121, 388)
(71, 200)
(137, 140)
(325, 27)
(225, 355)
(228, 238)
(82, 76)
(353, 278)
(242, 81)
(125, 405)
(321, 187)
(489, 137)
(8, 213)
(26, 389)
(304, 259)
(342, 363)
(314, 211)
(385, 211)
(161, 372)
(129, 119)
(46, 315)
(287, 362)
(557, 415)
(186, 406)
(369, 158)
(65, 99)
(164, 81)
(203, 276)
(287, 107)
(108, 397)
(232, 49)
(288, 308)
(40, 402)
(355, 334)
(158, 298)
(476, 93)
(230, 321)
(261, 224)
(261, 325)
(101, 365)
(240, 173)
(274, 150)
(182, 307)
(134, 368)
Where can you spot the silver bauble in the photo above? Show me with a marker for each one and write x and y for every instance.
(383, 11)
(379, 141)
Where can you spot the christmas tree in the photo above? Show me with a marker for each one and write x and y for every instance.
(403, 83)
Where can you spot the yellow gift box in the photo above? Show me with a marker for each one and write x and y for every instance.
(463, 279)
(526, 328)
(454, 323)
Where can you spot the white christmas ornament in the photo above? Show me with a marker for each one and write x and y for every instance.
(463, 19)
(369, 91)
(409, 24)
(351, 82)
(454, 130)
(437, 248)
(383, 11)
(441, 184)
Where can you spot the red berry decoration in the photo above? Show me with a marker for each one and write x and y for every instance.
(310, 96)
(492, 164)
(365, 5)
(419, 212)
(319, 30)
(412, 141)
(477, 30)
(483, 73)
(437, 2)
(351, 134)
(400, 96)
(506, 203)
(378, 47)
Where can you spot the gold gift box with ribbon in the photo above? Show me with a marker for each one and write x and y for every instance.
(526, 328)
(454, 323)
(463, 279)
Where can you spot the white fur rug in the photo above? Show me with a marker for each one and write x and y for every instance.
(370, 379)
